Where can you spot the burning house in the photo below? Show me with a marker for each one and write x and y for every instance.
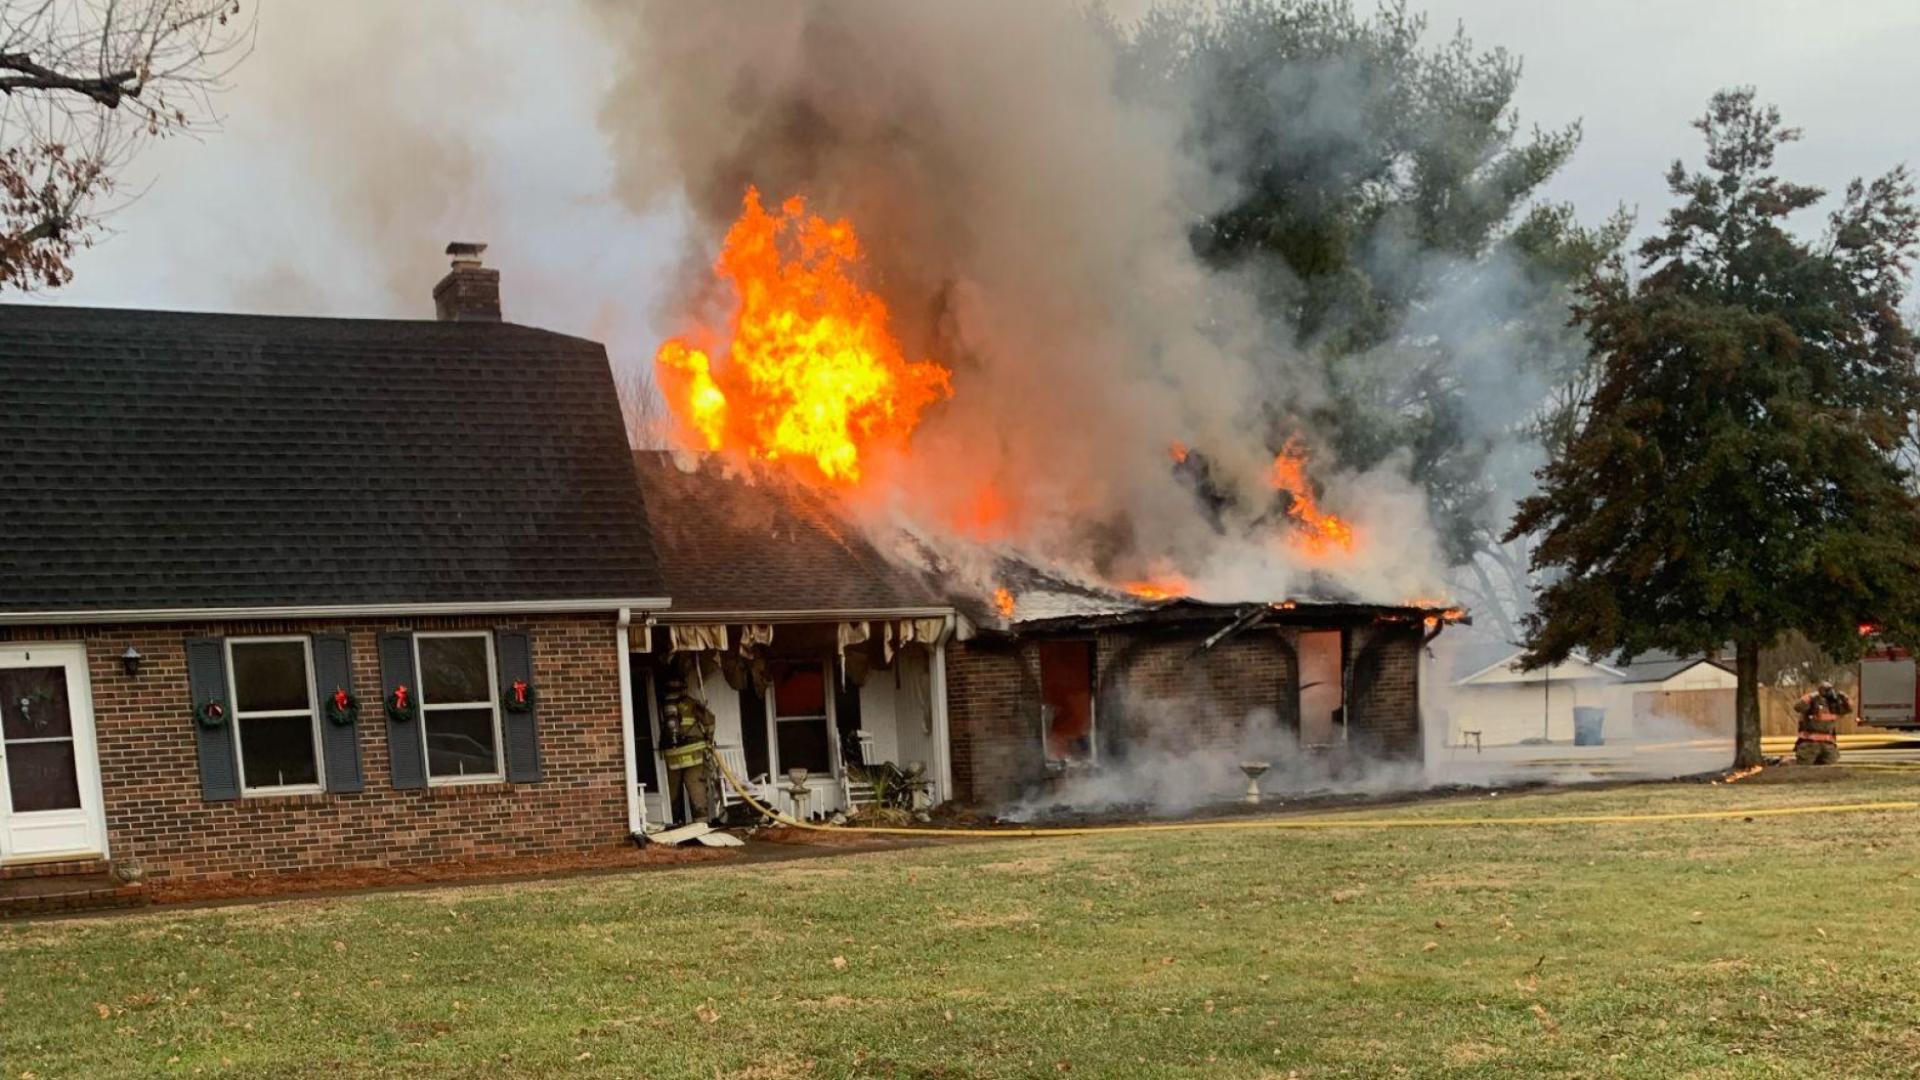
(295, 594)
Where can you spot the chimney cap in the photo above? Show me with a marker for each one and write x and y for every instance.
(466, 252)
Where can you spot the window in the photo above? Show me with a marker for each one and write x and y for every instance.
(1066, 700)
(458, 706)
(275, 726)
(800, 726)
(1321, 692)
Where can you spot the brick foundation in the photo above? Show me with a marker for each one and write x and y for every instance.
(157, 819)
(1158, 686)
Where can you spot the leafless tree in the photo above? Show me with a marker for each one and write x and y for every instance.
(649, 426)
(84, 84)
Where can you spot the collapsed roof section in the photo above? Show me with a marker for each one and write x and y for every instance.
(1233, 618)
(737, 540)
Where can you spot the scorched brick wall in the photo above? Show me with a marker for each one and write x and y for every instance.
(157, 819)
(1160, 686)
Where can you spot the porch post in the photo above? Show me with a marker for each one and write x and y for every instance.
(942, 746)
(625, 661)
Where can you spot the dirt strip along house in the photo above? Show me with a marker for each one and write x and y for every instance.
(280, 594)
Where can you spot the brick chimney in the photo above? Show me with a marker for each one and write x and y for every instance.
(470, 292)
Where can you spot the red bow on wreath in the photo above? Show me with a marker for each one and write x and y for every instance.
(400, 697)
(519, 691)
(340, 699)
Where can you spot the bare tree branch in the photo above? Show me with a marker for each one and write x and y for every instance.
(84, 85)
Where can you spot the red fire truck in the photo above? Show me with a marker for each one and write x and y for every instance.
(1889, 688)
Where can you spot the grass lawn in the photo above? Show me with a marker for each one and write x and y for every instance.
(1670, 949)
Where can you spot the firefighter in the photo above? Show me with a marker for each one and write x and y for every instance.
(688, 739)
(1820, 713)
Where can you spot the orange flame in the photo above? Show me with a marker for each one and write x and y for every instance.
(1159, 587)
(1177, 450)
(809, 370)
(1319, 532)
(1003, 602)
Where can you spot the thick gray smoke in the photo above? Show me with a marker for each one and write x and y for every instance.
(1029, 230)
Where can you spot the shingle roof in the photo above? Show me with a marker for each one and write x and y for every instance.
(760, 542)
(170, 460)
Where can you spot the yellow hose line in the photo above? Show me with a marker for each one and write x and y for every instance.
(1327, 822)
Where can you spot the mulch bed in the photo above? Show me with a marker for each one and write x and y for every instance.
(622, 856)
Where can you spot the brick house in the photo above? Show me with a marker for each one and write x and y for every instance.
(284, 594)
(291, 594)
(1036, 699)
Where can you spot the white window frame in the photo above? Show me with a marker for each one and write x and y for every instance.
(778, 768)
(312, 713)
(499, 773)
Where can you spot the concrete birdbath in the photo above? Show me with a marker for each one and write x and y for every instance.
(1254, 770)
(798, 791)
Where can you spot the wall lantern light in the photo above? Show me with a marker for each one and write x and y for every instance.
(131, 661)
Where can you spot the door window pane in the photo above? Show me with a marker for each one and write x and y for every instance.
(460, 741)
(270, 676)
(454, 669)
(278, 751)
(33, 703)
(43, 776)
(803, 744)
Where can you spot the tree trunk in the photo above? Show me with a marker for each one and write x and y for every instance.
(1746, 704)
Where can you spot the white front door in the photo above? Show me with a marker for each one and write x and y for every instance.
(49, 776)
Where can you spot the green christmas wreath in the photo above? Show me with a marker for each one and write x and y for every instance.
(212, 713)
(401, 708)
(518, 696)
(342, 707)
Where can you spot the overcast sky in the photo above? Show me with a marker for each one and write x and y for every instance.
(364, 134)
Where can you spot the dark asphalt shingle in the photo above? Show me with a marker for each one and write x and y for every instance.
(164, 459)
(764, 543)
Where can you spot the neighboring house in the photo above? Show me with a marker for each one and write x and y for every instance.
(813, 650)
(1063, 687)
(1656, 696)
(213, 523)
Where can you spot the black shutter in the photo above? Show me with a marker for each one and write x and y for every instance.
(339, 743)
(753, 730)
(406, 754)
(522, 728)
(207, 675)
(846, 716)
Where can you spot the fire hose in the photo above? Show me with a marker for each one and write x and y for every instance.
(1301, 823)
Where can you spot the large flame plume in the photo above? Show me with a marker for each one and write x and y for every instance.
(808, 373)
(1318, 533)
(809, 370)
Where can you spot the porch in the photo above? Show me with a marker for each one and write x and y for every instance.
(835, 702)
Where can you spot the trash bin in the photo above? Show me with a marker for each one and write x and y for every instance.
(1588, 725)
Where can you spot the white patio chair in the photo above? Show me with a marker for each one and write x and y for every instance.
(859, 791)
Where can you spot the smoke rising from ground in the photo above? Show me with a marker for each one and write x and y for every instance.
(1029, 229)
